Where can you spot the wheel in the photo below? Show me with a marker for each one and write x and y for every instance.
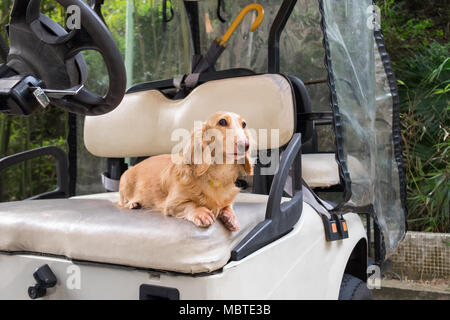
(353, 288)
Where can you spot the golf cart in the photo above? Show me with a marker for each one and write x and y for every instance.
(314, 82)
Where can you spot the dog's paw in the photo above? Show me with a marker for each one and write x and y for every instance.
(134, 205)
(203, 217)
(229, 219)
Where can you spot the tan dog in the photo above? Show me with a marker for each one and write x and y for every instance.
(197, 184)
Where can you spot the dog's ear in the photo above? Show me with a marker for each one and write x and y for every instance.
(201, 168)
(249, 155)
(196, 152)
(248, 166)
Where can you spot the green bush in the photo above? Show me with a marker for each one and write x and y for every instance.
(416, 34)
(427, 145)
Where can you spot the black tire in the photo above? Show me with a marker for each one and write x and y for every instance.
(353, 288)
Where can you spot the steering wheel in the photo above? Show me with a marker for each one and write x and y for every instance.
(42, 48)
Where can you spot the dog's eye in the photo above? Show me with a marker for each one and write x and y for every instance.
(243, 124)
(223, 122)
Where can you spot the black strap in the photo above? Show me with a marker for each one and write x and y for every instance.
(314, 201)
(323, 203)
(191, 80)
(110, 184)
(200, 64)
(334, 223)
(178, 82)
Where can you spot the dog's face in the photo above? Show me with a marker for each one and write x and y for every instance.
(224, 138)
(228, 137)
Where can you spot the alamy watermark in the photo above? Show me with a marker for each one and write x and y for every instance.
(73, 281)
(373, 277)
(373, 22)
(214, 146)
(73, 14)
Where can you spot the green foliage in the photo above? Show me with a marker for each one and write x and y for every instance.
(427, 148)
(416, 34)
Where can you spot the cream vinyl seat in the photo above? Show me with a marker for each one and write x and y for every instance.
(320, 170)
(147, 123)
(92, 228)
(148, 119)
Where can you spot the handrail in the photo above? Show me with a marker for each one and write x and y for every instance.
(62, 190)
(275, 32)
(280, 217)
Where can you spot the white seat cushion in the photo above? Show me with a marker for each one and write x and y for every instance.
(93, 228)
(320, 170)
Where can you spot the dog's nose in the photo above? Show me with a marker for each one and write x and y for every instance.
(243, 145)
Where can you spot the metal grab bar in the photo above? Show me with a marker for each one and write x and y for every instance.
(62, 190)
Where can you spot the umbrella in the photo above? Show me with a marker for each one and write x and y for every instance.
(206, 62)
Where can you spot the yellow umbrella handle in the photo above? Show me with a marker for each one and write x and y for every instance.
(240, 17)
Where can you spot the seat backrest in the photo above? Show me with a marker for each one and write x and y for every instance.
(303, 106)
(142, 125)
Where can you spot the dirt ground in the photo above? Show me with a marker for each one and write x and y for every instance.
(393, 289)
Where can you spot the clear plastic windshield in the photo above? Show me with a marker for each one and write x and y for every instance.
(366, 107)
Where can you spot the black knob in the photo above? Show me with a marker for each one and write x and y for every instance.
(45, 278)
(36, 291)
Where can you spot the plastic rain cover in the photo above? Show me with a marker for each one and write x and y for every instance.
(366, 105)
